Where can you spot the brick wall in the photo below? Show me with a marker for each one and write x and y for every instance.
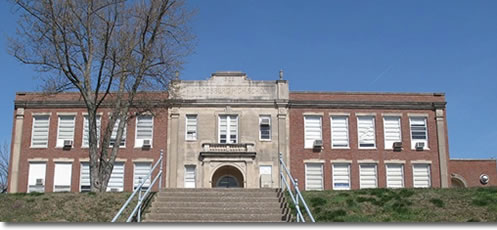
(470, 171)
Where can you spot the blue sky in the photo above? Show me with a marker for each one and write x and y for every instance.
(375, 46)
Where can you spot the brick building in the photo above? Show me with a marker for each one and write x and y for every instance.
(227, 131)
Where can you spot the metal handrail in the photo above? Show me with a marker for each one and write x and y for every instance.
(297, 198)
(138, 190)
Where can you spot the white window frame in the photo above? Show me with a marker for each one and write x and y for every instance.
(60, 143)
(194, 175)
(429, 175)
(135, 182)
(413, 142)
(99, 127)
(140, 144)
(44, 175)
(124, 136)
(109, 189)
(305, 131)
(69, 174)
(322, 176)
(376, 174)
(270, 127)
(195, 116)
(33, 131)
(347, 128)
(81, 175)
(389, 146)
(228, 128)
(374, 133)
(387, 165)
(333, 176)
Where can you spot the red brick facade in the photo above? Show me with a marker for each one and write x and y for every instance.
(469, 172)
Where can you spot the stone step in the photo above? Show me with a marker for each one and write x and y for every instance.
(220, 210)
(217, 194)
(252, 190)
(203, 204)
(211, 221)
(206, 217)
(217, 199)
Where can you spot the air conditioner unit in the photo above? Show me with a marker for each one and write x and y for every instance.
(265, 121)
(420, 145)
(397, 145)
(147, 143)
(318, 143)
(67, 143)
(39, 181)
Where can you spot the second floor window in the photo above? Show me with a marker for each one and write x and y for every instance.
(366, 132)
(312, 130)
(339, 131)
(191, 127)
(391, 131)
(144, 130)
(39, 135)
(65, 130)
(113, 135)
(228, 129)
(265, 127)
(86, 131)
(419, 132)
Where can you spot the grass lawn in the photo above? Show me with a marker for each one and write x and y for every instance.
(61, 207)
(404, 205)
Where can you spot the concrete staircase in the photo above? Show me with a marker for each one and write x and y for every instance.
(219, 205)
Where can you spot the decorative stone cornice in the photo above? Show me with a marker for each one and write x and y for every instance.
(366, 105)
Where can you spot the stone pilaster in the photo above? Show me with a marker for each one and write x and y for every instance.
(172, 162)
(442, 150)
(16, 151)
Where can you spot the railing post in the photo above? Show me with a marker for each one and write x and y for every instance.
(160, 167)
(138, 218)
(297, 198)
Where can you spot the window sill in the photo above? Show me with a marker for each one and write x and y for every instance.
(265, 140)
(46, 147)
(363, 148)
(426, 149)
(340, 147)
(191, 140)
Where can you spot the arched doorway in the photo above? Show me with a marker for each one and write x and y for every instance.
(227, 177)
(457, 181)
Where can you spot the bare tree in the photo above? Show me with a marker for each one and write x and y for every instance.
(107, 50)
(4, 166)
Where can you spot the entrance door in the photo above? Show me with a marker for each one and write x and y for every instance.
(227, 177)
(227, 182)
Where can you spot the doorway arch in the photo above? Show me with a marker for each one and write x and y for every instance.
(457, 181)
(227, 177)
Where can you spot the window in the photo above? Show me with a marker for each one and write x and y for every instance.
(86, 131)
(142, 169)
(366, 132)
(228, 129)
(116, 181)
(62, 177)
(339, 132)
(265, 176)
(421, 175)
(395, 175)
(39, 136)
(418, 131)
(341, 176)
(144, 129)
(189, 176)
(36, 177)
(367, 176)
(191, 127)
(313, 176)
(312, 130)
(65, 130)
(391, 131)
(265, 127)
(113, 135)
(84, 178)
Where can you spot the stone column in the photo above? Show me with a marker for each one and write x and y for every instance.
(442, 148)
(16, 152)
(282, 141)
(172, 152)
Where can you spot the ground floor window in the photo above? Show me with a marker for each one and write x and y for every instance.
(314, 176)
(421, 175)
(395, 175)
(62, 177)
(190, 176)
(36, 177)
(367, 176)
(341, 176)
(84, 178)
(142, 169)
(116, 181)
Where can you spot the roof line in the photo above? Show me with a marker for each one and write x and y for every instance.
(368, 93)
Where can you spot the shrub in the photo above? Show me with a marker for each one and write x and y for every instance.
(437, 202)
